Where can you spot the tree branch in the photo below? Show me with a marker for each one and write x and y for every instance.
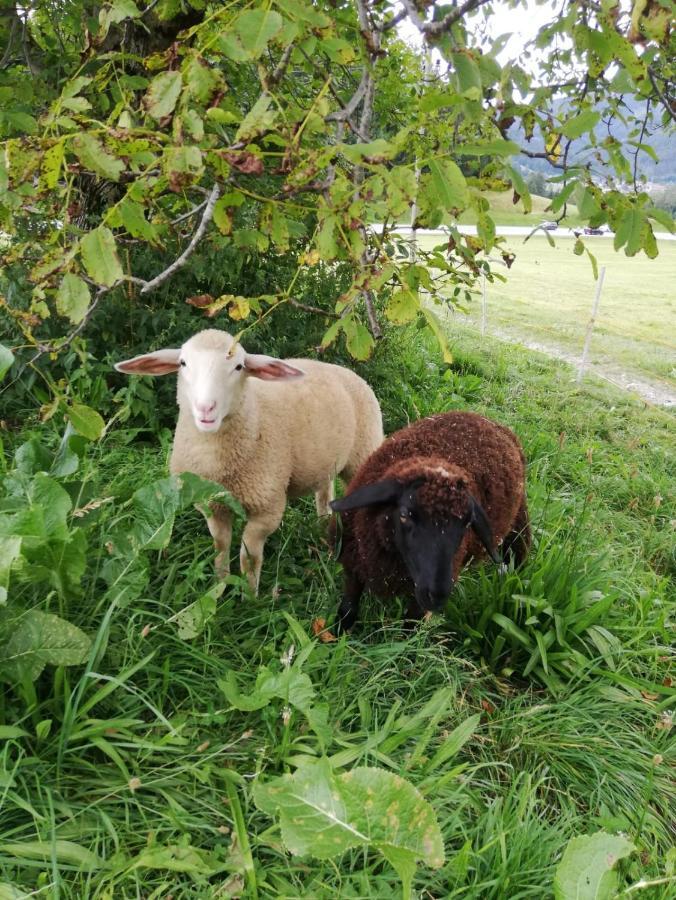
(666, 102)
(189, 250)
(433, 29)
(311, 309)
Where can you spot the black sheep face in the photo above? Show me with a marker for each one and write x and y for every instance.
(426, 544)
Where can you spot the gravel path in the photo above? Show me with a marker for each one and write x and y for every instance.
(658, 394)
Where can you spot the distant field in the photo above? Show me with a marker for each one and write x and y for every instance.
(548, 296)
(504, 212)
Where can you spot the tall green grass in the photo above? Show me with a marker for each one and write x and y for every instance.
(134, 776)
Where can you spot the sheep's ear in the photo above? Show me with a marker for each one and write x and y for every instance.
(387, 491)
(482, 528)
(270, 369)
(159, 362)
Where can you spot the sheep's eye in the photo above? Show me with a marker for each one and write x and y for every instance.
(182, 362)
(405, 515)
(239, 367)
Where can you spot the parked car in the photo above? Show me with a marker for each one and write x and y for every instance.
(549, 226)
(589, 229)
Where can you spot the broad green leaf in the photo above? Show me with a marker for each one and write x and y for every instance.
(578, 125)
(86, 421)
(661, 216)
(450, 184)
(326, 240)
(192, 619)
(300, 9)
(437, 330)
(155, 506)
(323, 814)
(54, 504)
(63, 851)
(468, 76)
(495, 147)
(10, 548)
(520, 187)
(39, 639)
(118, 11)
(586, 868)
(133, 219)
(629, 231)
(162, 94)
(94, 157)
(72, 298)
(255, 28)
(338, 50)
(258, 120)
(290, 685)
(359, 339)
(6, 360)
(100, 256)
(402, 307)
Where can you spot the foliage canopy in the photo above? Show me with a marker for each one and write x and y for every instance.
(289, 128)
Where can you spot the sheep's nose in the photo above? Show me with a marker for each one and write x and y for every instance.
(205, 408)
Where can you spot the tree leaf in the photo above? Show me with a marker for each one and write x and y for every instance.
(438, 332)
(133, 219)
(579, 124)
(38, 639)
(161, 96)
(50, 169)
(10, 548)
(468, 75)
(586, 868)
(359, 341)
(255, 28)
(629, 231)
(496, 147)
(450, 184)
(73, 298)
(402, 307)
(258, 120)
(94, 157)
(6, 360)
(100, 256)
(86, 421)
(323, 814)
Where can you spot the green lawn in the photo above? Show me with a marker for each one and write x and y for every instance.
(132, 776)
(548, 298)
(505, 212)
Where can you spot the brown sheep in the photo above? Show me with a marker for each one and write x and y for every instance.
(444, 490)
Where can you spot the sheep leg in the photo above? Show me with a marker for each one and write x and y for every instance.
(220, 526)
(323, 497)
(413, 614)
(517, 542)
(349, 605)
(256, 532)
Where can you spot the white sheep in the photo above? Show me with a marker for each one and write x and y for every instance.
(264, 428)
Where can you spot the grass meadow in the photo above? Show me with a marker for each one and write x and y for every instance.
(548, 294)
(133, 776)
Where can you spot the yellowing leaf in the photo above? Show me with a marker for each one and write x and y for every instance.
(402, 306)
(100, 256)
(72, 299)
(94, 157)
(162, 94)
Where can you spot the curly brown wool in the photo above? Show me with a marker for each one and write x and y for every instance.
(453, 455)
